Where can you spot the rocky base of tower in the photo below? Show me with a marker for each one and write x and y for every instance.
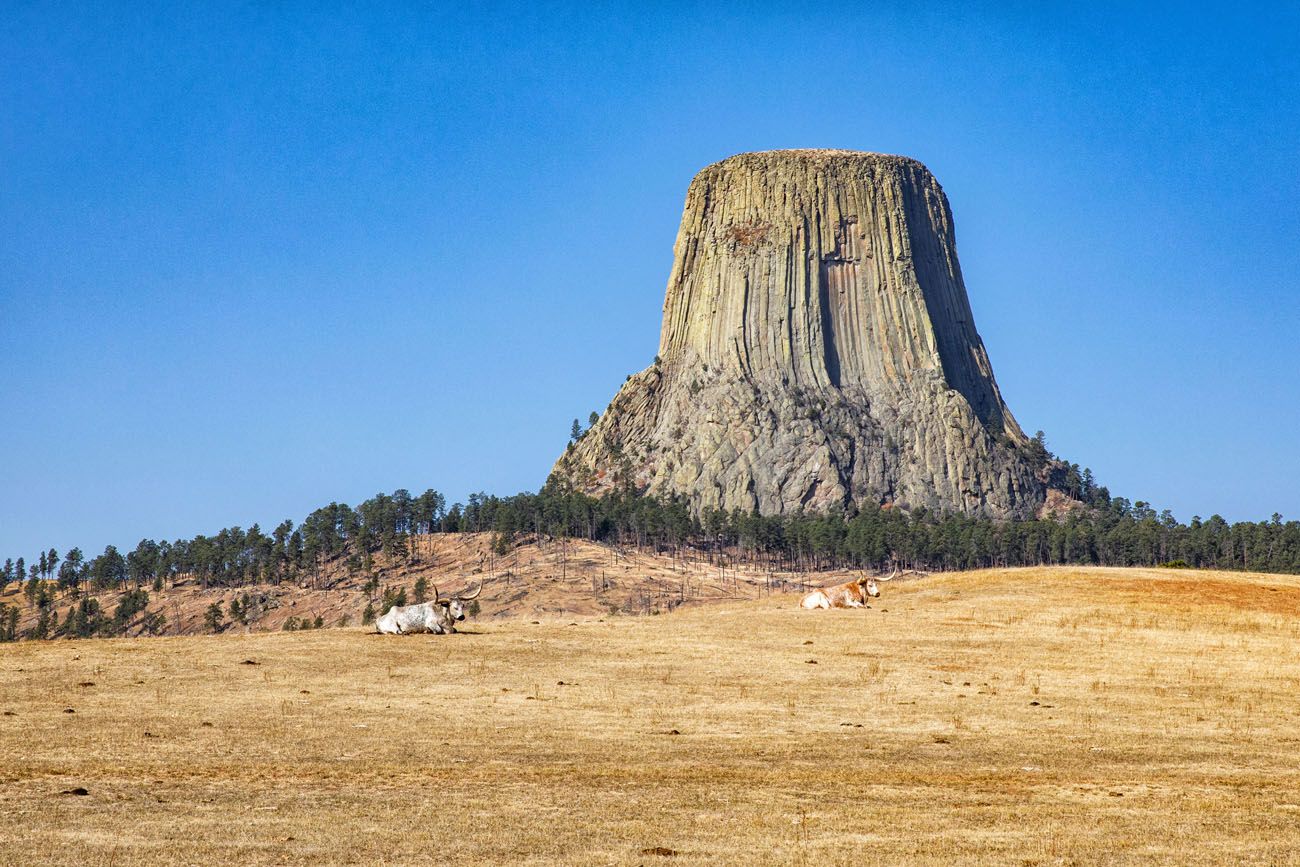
(738, 442)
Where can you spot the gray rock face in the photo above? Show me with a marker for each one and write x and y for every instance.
(818, 353)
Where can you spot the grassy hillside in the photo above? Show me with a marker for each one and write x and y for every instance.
(1010, 716)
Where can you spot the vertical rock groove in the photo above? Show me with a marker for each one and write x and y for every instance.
(817, 352)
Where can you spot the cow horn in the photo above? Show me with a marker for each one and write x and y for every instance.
(475, 594)
(435, 591)
(892, 575)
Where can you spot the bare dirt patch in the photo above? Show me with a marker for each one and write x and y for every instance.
(1211, 593)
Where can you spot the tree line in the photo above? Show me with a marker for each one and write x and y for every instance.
(1108, 532)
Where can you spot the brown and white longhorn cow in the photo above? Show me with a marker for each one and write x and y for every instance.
(854, 594)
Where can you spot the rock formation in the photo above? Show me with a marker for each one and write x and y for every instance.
(817, 353)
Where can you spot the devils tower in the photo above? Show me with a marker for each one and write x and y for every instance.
(817, 353)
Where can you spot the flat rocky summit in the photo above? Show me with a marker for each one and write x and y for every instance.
(817, 353)
(806, 154)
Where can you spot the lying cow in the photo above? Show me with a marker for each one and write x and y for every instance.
(854, 594)
(439, 616)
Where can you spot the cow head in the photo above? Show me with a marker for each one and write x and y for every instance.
(455, 605)
(868, 583)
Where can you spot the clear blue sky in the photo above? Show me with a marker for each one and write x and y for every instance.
(255, 260)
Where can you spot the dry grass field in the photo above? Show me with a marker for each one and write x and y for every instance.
(1046, 716)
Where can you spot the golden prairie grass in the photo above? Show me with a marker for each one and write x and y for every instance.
(1033, 716)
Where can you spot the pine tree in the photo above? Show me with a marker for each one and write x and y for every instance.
(1036, 451)
(70, 572)
(8, 622)
(213, 618)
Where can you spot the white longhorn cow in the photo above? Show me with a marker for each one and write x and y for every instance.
(439, 616)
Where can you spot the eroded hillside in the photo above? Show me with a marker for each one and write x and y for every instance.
(547, 577)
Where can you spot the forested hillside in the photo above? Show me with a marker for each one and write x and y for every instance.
(339, 540)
